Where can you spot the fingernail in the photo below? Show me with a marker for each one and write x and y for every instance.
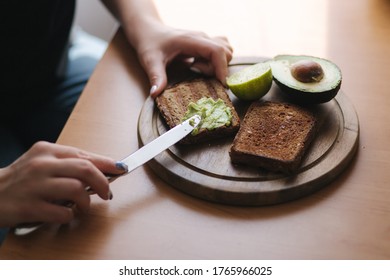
(121, 166)
(109, 195)
(196, 70)
(153, 89)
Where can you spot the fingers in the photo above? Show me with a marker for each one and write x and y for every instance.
(87, 167)
(46, 212)
(40, 201)
(48, 174)
(83, 171)
(221, 61)
(53, 160)
(214, 59)
(104, 164)
(207, 67)
(211, 56)
(53, 213)
(155, 67)
(57, 194)
(61, 190)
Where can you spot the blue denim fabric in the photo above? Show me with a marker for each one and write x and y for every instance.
(3, 234)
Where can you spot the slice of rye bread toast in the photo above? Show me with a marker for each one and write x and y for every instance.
(173, 103)
(274, 136)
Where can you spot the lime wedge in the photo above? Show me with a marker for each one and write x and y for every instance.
(252, 82)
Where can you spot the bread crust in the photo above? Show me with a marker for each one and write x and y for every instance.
(274, 136)
(173, 104)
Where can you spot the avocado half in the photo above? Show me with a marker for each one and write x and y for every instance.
(315, 91)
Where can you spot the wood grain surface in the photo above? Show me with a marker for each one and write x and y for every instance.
(205, 170)
(349, 218)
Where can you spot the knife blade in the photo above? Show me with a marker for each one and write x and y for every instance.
(160, 144)
(134, 160)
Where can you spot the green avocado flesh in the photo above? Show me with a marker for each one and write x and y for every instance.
(314, 92)
(214, 114)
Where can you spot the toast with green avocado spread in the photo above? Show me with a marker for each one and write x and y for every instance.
(205, 97)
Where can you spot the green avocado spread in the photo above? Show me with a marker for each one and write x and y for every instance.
(214, 113)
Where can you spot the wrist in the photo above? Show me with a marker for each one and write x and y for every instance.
(143, 30)
(137, 18)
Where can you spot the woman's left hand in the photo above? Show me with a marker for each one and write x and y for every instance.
(157, 44)
(209, 56)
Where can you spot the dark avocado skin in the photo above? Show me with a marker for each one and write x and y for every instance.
(306, 98)
(302, 96)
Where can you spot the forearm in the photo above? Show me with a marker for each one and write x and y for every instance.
(136, 17)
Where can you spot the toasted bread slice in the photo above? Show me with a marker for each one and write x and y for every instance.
(273, 136)
(173, 105)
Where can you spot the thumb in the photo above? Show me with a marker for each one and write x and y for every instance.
(156, 70)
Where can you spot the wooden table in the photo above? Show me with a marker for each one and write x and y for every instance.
(148, 219)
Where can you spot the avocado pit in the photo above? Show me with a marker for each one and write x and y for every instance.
(307, 71)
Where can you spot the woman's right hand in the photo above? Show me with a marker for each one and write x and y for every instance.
(47, 173)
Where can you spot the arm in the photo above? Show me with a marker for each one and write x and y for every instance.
(157, 45)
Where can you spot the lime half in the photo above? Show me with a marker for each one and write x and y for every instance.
(252, 82)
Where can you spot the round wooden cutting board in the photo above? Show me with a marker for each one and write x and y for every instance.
(205, 170)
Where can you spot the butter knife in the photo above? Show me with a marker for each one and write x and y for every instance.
(134, 160)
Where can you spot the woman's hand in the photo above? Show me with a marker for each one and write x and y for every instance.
(161, 45)
(48, 173)
(158, 45)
